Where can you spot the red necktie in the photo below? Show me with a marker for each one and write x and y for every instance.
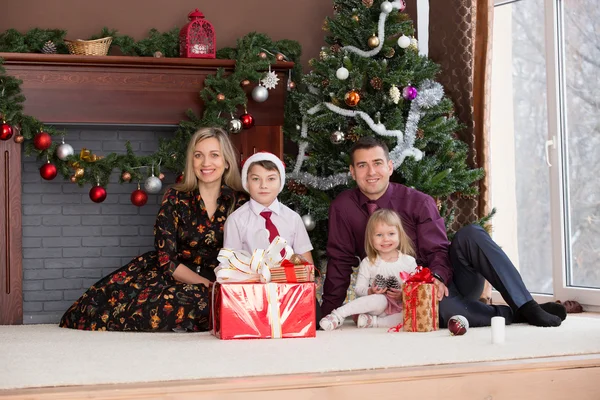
(371, 207)
(273, 232)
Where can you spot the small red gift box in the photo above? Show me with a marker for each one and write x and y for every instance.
(419, 302)
(263, 310)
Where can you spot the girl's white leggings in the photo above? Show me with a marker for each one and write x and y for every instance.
(374, 304)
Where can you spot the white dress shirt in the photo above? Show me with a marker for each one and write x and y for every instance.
(245, 228)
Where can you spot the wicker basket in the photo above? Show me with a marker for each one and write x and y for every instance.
(98, 47)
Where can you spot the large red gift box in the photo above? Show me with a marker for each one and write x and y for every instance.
(263, 310)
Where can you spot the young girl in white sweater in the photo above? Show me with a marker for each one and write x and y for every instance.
(378, 284)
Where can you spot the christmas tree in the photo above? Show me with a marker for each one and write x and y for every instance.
(371, 81)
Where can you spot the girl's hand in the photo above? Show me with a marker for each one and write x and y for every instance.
(395, 294)
(376, 289)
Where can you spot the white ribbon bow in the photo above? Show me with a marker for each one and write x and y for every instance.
(241, 266)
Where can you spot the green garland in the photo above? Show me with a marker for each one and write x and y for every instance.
(249, 66)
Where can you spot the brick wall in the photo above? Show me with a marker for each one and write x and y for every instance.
(69, 242)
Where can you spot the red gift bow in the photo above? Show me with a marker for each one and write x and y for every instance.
(290, 271)
(421, 276)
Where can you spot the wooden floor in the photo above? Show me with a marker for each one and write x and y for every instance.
(571, 377)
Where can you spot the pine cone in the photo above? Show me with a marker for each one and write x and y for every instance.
(367, 3)
(420, 133)
(377, 83)
(296, 187)
(392, 283)
(353, 137)
(335, 48)
(380, 281)
(49, 48)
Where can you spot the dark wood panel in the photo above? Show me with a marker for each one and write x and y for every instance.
(11, 292)
(126, 90)
(259, 138)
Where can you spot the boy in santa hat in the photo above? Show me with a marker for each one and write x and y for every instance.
(263, 177)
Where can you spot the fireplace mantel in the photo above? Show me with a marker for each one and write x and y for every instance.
(125, 90)
(111, 90)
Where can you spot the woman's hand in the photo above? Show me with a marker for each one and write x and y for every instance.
(204, 281)
(395, 294)
(376, 289)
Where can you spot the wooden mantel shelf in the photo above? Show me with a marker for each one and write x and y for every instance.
(126, 90)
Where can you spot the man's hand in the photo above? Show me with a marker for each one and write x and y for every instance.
(441, 289)
(395, 294)
(376, 289)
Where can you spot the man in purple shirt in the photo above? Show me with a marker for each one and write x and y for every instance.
(460, 267)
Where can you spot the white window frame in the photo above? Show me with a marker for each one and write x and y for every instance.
(557, 128)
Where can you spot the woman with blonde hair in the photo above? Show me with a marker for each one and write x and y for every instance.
(168, 288)
(378, 284)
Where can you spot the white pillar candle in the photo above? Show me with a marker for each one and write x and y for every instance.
(498, 332)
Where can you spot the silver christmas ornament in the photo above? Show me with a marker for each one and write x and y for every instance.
(152, 185)
(64, 150)
(386, 7)
(309, 222)
(234, 126)
(337, 137)
(260, 94)
(403, 41)
(342, 73)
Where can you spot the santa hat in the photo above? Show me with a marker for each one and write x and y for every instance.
(263, 156)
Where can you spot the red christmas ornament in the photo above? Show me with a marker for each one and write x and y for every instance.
(97, 194)
(139, 197)
(197, 37)
(179, 179)
(7, 131)
(458, 325)
(42, 141)
(247, 121)
(48, 171)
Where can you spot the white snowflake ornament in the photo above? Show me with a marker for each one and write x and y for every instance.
(270, 80)
(395, 94)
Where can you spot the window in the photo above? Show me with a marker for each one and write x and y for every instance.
(545, 144)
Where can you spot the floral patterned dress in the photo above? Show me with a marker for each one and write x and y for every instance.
(143, 295)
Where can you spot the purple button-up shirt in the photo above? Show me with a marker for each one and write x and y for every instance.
(348, 218)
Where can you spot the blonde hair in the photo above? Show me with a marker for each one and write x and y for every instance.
(231, 176)
(391, 218)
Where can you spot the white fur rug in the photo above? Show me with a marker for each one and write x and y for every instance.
(45, 355)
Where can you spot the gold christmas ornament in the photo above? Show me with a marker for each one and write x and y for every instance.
(355, 18)
(323, 55)
(245, 82)
(262, 55)
(79, 172)
(373, 41)
(291, 85)
(220, 97)
(73, 179)
(312, 62)
(325, 26)
(279, 57)
(126, 176)
(161, 176)
(352, 98)
(19, 138)
(158, 54)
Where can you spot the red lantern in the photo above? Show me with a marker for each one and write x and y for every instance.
(197, 37)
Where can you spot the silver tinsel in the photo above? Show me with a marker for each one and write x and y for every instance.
(321, 183)
(153, 184)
